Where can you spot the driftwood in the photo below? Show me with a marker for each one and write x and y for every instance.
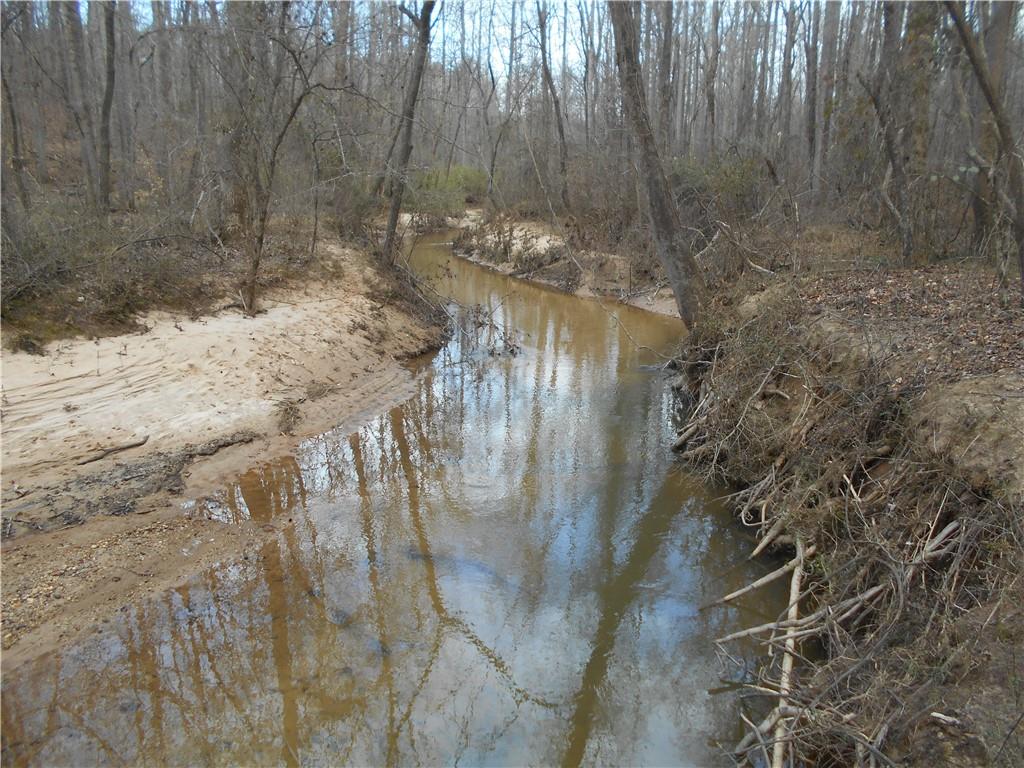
(116, 449)
(796, 562)
(779, 750)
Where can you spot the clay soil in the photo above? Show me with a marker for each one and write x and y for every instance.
(86, 532)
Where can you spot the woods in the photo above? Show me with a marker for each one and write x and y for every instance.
(253, 224)
(171, 121)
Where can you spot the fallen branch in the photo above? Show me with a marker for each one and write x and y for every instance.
(769, 537)
(796, 562)
(116, 449)
(779, 750)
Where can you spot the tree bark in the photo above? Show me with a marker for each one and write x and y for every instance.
(918, 60)
(829, 62)
(408, 115)
(671, 248)
(996, 35)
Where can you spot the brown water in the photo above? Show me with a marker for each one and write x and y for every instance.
(506, 570)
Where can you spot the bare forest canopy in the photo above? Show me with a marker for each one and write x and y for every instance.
(193, 124)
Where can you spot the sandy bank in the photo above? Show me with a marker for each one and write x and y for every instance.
(210, 396)
(537, 252)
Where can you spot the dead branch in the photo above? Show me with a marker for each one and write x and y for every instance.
(115, 449)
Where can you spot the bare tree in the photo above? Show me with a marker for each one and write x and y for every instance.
(1014, 200)
(412, 92)
(265, 71)
(549, 81)
(786, 96)
(13, 111)
(671, 247)
(882, 92)
(108, 103)
(77, 79)
(711, 72)
(665, 75)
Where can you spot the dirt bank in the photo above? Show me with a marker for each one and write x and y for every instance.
(103, 439)
(877, 417)
(538, 252)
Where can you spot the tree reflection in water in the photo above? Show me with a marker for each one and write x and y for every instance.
(505, 569)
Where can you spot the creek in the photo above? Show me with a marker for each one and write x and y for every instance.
(506, 569)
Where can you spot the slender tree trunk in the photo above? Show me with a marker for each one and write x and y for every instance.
(786, 95)
(827, 87)
(711, 74)
(563, 150)
(882, 93)
(812, 112)
(511, 82)
(665, 76)
(17, 158)
(671, 247)
(30, 33)
(919, 59)
(997, 33)
(408, 115)
(108, 103)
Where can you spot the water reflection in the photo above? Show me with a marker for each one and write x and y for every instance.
(504, 570)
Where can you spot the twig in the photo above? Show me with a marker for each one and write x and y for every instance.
(796, 562)
(116, 449)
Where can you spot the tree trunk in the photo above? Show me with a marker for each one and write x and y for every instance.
(563, 150)
(1007, 141)
(78, 86)
(882, 93)
(108, 103)
(17, 158)
(408, 114)
(711, 74)
(786, 95)
(917, 75)
(997, 33)
(829, 62)
(671, 247)
(665, 76)
(812, 112)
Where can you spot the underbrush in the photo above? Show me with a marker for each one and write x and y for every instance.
(822, 432)
(71, 273)
(442, 193)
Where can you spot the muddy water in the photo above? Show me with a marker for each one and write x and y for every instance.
(507, 569)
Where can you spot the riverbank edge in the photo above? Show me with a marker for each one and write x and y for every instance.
(585, 275)
(121, 533)
(901, 502)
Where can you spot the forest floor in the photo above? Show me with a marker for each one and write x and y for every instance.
(867, 410)
(90, 524)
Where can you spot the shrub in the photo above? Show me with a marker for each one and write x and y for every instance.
(440, 192)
